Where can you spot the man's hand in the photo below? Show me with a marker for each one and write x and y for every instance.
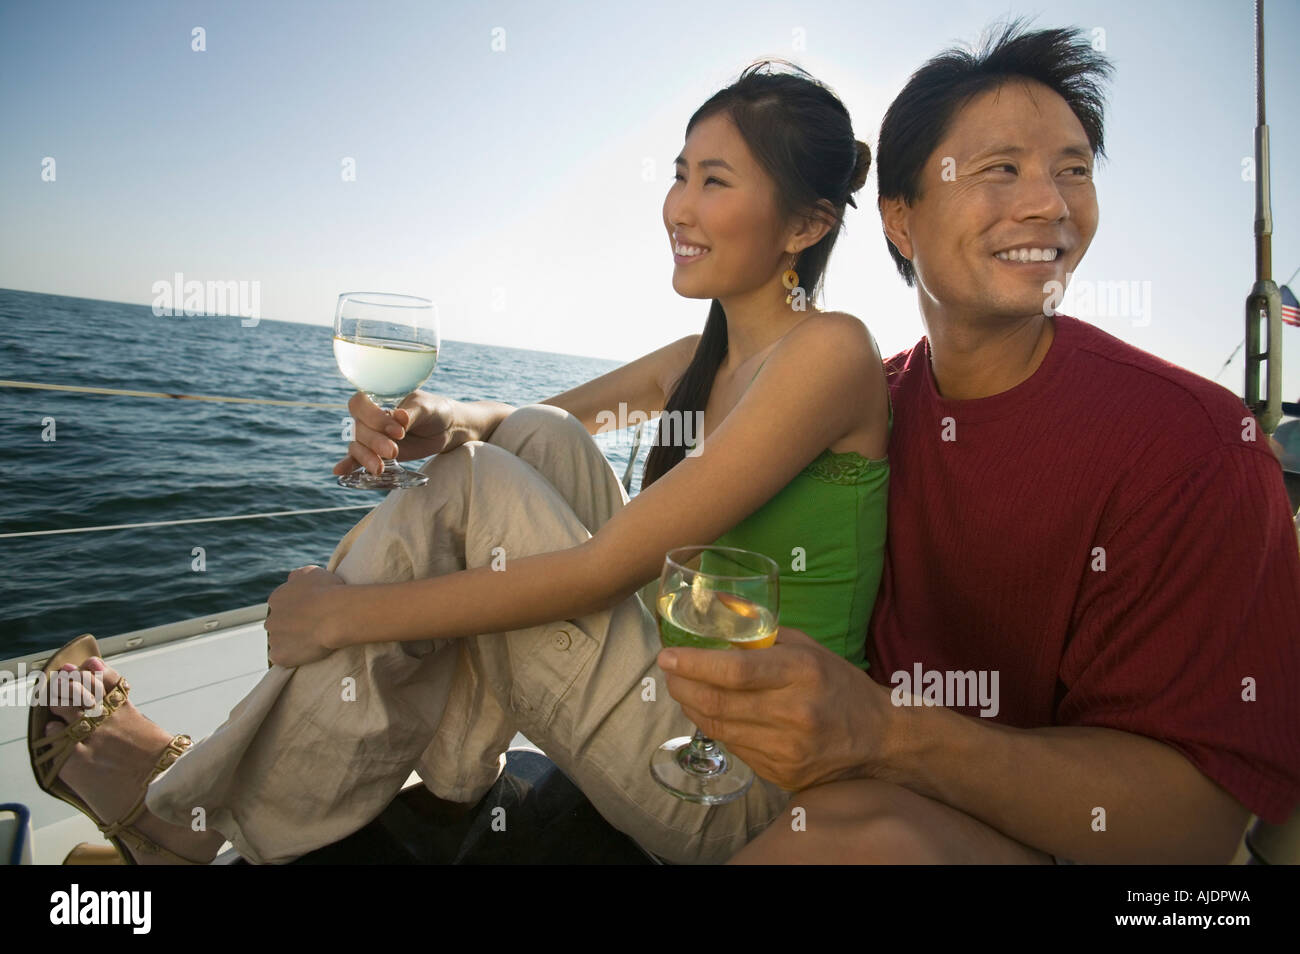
(796, 713)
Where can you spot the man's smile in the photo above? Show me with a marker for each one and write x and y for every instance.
(1028, 254)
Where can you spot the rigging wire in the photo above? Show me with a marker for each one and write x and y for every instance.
(80, 389)
(170, 523)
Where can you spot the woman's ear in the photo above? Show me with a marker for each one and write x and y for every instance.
(811, 229)
(894, 216)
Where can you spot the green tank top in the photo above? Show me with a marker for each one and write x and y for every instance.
(826, 531)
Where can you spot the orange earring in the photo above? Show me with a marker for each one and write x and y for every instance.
(790, 279)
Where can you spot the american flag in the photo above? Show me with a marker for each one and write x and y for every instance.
(1290, 307)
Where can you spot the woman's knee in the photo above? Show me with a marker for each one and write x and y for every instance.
(528, 422)
(454, 475)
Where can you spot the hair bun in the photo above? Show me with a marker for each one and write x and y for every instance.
(861, 166)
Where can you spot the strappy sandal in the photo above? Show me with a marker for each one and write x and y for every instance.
(50, 753)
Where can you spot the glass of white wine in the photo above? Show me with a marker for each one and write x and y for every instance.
(387, 346)
(712, 598)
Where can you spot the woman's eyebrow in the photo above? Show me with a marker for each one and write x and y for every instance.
(704, 163)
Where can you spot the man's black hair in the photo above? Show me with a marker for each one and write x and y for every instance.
(1063, 60)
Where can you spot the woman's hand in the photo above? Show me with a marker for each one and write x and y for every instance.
(303, 614)
(423, 424)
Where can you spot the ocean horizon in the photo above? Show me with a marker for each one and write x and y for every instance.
(76, 460)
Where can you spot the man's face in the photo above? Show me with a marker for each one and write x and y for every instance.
(1007, 206)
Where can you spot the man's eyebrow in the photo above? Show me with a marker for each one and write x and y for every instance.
(705, 163)
(1078, 150)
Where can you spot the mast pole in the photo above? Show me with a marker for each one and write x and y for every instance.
(1264, 304)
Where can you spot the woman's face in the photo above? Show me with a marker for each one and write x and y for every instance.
(723, 202)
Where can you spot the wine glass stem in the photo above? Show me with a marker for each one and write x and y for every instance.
(388, 407)
(703, 756)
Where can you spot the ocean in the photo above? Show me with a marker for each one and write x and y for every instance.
(72, 460)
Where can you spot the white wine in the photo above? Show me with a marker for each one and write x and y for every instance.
(707, 619)
(382, 367)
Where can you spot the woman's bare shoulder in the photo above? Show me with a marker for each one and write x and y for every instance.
(837, 350)
(835, 330)
(837, 318)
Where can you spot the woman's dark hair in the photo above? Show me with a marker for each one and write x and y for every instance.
(920, 116)
(799, 133)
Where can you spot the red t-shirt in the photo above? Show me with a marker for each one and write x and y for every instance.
(1183, 627)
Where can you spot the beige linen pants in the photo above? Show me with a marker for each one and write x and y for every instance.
(316, 752)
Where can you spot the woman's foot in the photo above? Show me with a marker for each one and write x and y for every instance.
(110, 768)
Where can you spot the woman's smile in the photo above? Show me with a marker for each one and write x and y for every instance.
(685, 254)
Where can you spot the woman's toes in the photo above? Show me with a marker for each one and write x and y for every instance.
(73, 690)
(110, 675)
(105, 675)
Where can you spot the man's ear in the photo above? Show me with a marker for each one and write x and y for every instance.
(894, 217)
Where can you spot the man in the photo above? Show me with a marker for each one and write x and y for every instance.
(1095, 542)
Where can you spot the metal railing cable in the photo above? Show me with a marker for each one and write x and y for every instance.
(171, 523)
(120, 392)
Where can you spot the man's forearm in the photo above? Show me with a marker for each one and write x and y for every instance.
(1089, 794)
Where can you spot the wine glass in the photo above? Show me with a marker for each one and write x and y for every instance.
(387, 346)
(712, 598)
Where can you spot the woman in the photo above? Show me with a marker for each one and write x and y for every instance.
(524, 524)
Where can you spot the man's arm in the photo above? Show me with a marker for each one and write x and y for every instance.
(1092, 795)
(801, 716)
(1187, 636)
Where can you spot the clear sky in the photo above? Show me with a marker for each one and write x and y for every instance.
(510, 185)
